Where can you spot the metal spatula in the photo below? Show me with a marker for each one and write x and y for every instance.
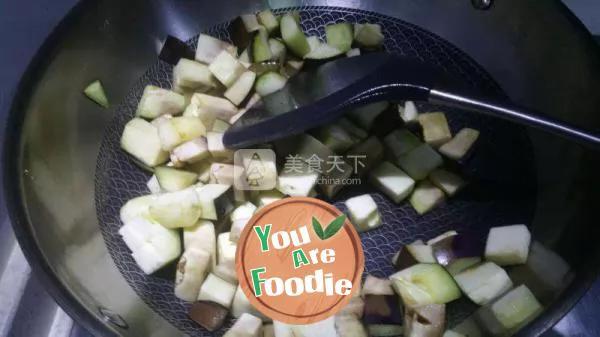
(321, 96)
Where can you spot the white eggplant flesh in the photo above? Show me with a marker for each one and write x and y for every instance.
(217, 149)
(191, 271)
(241, 88)
(340, 36)
(226, 249)
(392, 181)
(269, 83)
(244, 59)
(172, 180)
(160, 119)
(209, 47)
(460, 145)
(138, 231)
(179, 130)
(508, 245)
(409, 112)
(282, 329)
(447, 181)
(325, 328)
(363, 212)
(268, 20)
(451, 333)
(217, 107)
(227, 272)
(400, 142)
(313, 42)
(293, 36)
(420, 161)
(368, 35)
(250, 22)
(425, 284)
(261, 50)
(193, 110)
(157, 101)
(441, 237)
(353, 52)
(136, 207)
(222, 174)
(237, 227)
(297, 184)
(278, 50)
(140, 139)
(515, 308)
(484, 283)
(436, 131)
(246, 325)
(469, 328)
(96, 93)
(424, 320)
(202, 236)
(202, 168)
(216, 200)
(217, 290)
(425, 197)
(268, 197)
(349, 326)
(251, 102)
(322, 52)
(220, 126)
(377, 286)
(192, 151)
(178, 209)
(365, 116)
(153, 185)
(244, 211)
(190, 75)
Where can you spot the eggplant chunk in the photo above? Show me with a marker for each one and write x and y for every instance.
(451, 333)
(174, 50)
(95, 92)
(191, 271)
(400, 142)
(226, 249)
(178, 209)
(365, 156)
(325, 327)
(157, 101)
(508, 245)
(226, 68)
(363, 212)
(260, 50)
(408, 112)
(293, 36)
(456, 253)
(365, 116)
(269, 83)
(323, 51)
(202, 168)
(202, 236)
(226, 272)
(268, 197)
(511, 311)
(136, 207)
(353, 52)
(424, 320)
(349, 326)
(172, 180)
(412, 254)
(208, 314)
(140, 139)
(460, 145)
(425, 197)
(469, 328)
(425, 284)
(209, 47)
(214, 107)
(220, 126)
(242, 28)
(217, 149)
(192, 151)
(484, 283)
(297, 184)
(436, 131)
(447, 181)
(368, 35)
(334, 137)
(190, 75)
(179, 130)
(268, 20)
(382, 311)
(245, 326)
(216, 200)
(238, 92)
(153, 185)
(354, 307)
(217, 290)
(441, 237)
(392, 181)
(340, 36)
(420, 161)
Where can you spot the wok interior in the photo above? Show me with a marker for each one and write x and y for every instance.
(547, 183)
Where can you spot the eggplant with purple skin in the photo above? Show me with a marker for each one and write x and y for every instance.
(412, 254)
(424, 320)
(174, 49)
(383, 315)
(209, 315)
(456, 253)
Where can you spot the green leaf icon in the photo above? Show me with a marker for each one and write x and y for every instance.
(318, 229)
(334, 226)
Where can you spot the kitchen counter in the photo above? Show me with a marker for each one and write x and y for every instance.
(25, 308)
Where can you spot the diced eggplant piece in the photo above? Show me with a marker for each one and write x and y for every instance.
(368, 35)
(282, 329)
(392, 181)
(353, 52)
(172, 180)
(354, 307)
(226, 249)
(237, 227)
(511, 311)
(377, 286)
(460, 145)
(209, 47)
(383, 310)
(400, 143)
(292, 67)
(425, 197)
(484, 283)
(508, 245)
(244, 58)
(260, 50)
(420, 161)
(217, 149)
(363, 213)
(325, 327)
(216, 200)
(190, 75)
(436, 131)
(140, 139)
(222, 174)
(297, 184)
(334, 137)
(447, 181)
(456, 253)
(192, 151)
(176, 209)
(269, 83)
(323, 51)
(335, 177)
(160, 120)
(152, 245)
(314, 42)
(179, 130)
(246, 326)
(202, 236)
(191, 272)
(226, 68)
(412, 254)
(424, 320)
(293, 36)
(425, 284)
(268, 20)
(202, 168)
(241, 305)
(207, 117)
(217, 290)
(408, 112)
(226, 271)
(95, 92)
(340, 36)
(238, 92)
(441, 237)
(245, 211)
(268, 197)
(209, 315)
(218, 107)
(349, 326)
(365, 156)
(220, 126)
(451, 333)
(469, 328)
(136, 207)
(156, 101)
(364, 116)
(153, 185)
(175, 163)
(545, 273)
(278, 50)
(174, 50)
(241, 29)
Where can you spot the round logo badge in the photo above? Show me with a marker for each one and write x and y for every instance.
(299, 260)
